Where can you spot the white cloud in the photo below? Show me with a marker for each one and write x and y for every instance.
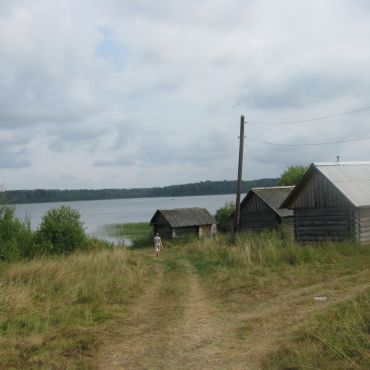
(122, 93)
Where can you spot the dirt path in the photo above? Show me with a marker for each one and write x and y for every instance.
(195, 340)
(176, 325)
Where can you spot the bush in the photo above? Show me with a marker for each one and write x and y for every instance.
(61, 231)
(16, 237)
(224, 217)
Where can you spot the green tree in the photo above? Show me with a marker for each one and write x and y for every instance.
(224, 215)
(16, 237)
(61, 231)
(292, 175)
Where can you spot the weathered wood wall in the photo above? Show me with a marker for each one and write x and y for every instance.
(183, 231)
(319, 192)
(205, 231)
(364, 224)
(255, 215)
(318, 224)
(162, 227)
(288, 223)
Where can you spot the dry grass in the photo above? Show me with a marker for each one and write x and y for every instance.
(50, 307)
(201, 305)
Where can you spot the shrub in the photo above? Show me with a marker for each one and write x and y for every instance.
(16, 237)
(224, 217)
(61, 231)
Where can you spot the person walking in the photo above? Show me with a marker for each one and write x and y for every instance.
(157, 244)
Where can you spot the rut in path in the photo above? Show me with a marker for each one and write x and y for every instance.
(160, 334)
(188, 330)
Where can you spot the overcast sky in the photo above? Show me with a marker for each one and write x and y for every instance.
(141, 93)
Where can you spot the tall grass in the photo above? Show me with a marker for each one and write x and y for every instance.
(268, 262)
(339, 339)
(274, 249)
(50, 307)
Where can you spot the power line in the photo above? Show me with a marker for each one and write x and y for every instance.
(310, 119)
(312, 144)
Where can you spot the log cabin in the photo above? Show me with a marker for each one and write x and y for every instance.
(260, 209)
(172, 223)
(332, 202)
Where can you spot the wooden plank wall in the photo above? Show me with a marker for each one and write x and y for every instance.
(288, 223)
(182, 231)
(205, 231)
(255, 215)
(162, 227)
(319, 192)
(254, 204)
(364, 224)
(319, 224)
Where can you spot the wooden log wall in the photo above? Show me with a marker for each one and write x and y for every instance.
(288, 223)
(162, 227)
(255, 215)
(182, 231)
(364, 224)
(324, 224)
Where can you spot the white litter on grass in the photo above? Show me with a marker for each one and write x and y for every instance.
(320, 298)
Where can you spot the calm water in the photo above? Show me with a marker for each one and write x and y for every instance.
(95, 213)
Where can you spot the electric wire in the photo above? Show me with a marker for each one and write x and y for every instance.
(311, 144)
(321, 118)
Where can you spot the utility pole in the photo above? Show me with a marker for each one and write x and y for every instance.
(238, 184)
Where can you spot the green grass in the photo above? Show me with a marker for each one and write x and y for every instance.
(140, 232)
(339, 339)
(51, 308)
(268, 264)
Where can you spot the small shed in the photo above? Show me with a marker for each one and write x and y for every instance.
(172, 223)
(332, 202)
(260, 209)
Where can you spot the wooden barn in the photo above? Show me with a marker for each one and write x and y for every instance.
(172, 223)
(260, 209)
(332, 202)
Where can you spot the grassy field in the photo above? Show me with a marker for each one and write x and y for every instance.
(51, 308)
(139, 232)
(202, 305)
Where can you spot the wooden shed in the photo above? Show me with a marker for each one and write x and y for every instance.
(260, 209)
(332, 202)
(172, 223)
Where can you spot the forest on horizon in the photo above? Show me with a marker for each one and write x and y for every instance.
(192, 189)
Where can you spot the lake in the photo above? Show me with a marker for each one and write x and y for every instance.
(96, 213)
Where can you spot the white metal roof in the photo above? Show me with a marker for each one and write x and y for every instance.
(351, 178)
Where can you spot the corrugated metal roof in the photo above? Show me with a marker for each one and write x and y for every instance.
(182, 217)
(273, 197)
(352, 179)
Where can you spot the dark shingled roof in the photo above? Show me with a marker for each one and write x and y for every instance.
(273, 197)
(182, 217)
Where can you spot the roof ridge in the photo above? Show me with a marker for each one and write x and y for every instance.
(273, 187)
(342, 163)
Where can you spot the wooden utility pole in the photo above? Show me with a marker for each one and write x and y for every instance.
(238, 184)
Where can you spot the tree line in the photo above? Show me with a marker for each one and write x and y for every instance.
(198, 188)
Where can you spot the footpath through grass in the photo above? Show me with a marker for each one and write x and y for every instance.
(55, 311)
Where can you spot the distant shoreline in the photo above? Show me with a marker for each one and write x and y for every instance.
(192, 189)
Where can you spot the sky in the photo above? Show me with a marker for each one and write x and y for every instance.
(120, 94)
